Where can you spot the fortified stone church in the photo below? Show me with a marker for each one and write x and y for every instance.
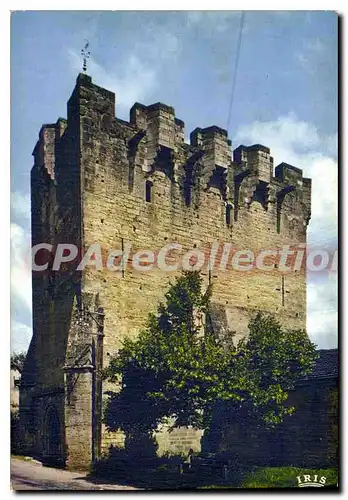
(97, 178)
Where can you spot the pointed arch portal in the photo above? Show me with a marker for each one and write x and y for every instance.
(52, 442)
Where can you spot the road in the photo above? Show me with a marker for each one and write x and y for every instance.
(28, 475)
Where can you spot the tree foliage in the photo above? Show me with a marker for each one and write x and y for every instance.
(175, 369)
(18, 359)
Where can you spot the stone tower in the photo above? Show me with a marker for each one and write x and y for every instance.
(99, 179)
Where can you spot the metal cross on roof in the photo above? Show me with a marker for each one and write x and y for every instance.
(85, 53)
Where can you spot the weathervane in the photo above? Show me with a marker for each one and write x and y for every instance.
(85, 54)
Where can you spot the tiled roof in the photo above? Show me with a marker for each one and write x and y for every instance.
(326, 365)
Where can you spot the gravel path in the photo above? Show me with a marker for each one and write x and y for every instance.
(28, 475)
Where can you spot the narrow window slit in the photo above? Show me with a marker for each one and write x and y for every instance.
(228, 214)
(148, 191)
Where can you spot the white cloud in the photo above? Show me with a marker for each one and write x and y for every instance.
(20, 205)
(20, 336)
(20, 266)
(20, 271)
(300, 144)
(285, 133)
(322, 312)
(139, 74)
(134, 84)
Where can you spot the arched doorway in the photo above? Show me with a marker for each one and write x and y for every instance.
(52, 442)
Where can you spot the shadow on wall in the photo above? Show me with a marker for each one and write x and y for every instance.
(308, 438)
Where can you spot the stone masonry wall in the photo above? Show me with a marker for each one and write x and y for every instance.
(308, 438)
(115, 211)
(99, 179)
(56, 218)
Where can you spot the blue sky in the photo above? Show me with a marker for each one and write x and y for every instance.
(285, 97)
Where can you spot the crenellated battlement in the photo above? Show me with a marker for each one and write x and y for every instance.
(154, 141)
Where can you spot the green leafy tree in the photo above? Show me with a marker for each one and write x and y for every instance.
(275, 359)
(18, 359)
(177, 369)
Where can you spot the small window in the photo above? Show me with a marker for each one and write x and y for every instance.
(228, 214)
(148, 191)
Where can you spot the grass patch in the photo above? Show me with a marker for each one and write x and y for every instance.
(286, 477)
